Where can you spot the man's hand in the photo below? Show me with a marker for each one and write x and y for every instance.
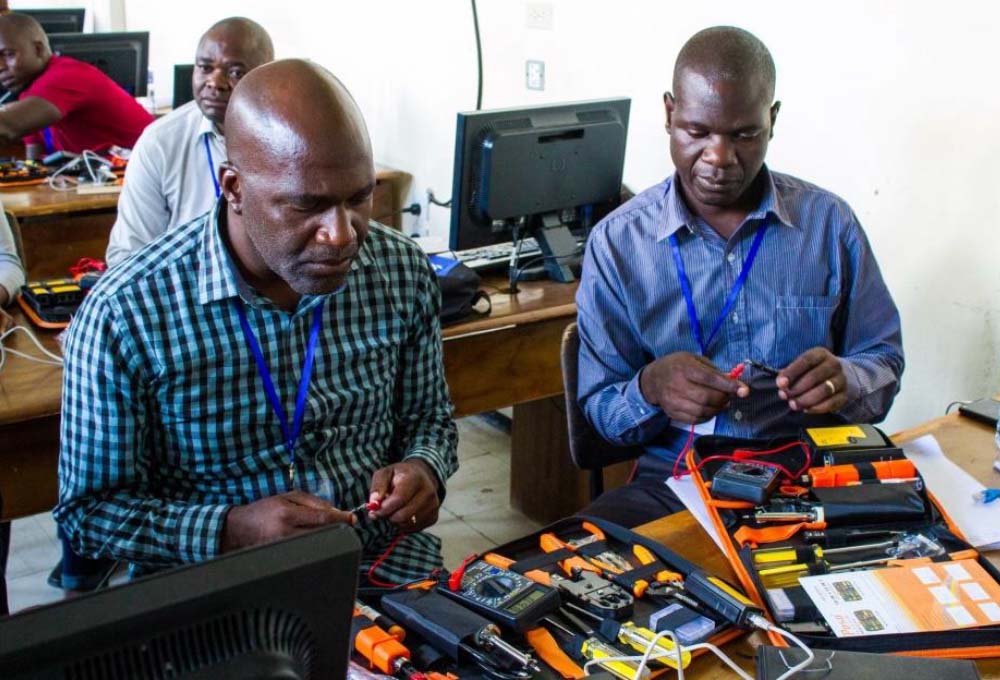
(688, 387)
(814, 382)
(277, 517)
(408, 495)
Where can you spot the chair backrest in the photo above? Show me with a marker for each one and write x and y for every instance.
(588, 449)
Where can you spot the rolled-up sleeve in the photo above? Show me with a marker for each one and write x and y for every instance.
(11, 267)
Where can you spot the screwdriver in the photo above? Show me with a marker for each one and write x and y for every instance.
(595, 649)
(638, 638)
(381, 620)
(811, 553)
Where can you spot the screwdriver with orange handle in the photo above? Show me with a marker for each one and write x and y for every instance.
(382, 650)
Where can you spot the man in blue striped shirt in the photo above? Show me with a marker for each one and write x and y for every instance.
(268, 367)
(722, 262)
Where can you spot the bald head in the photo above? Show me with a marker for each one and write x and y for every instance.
(291, 108)
(24, 51)
(254, 41)
(727, 54)
(299, 180)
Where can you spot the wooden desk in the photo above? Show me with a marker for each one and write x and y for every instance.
(60, 227)
(509, 358)
(966, 442)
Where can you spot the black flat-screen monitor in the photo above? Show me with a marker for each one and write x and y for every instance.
(281, 610)
(539, 170)
(124, 57)
(183, 89)
(68, 20)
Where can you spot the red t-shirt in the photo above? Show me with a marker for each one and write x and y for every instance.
(97, 113)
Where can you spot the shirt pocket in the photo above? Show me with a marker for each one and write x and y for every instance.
(802, 322)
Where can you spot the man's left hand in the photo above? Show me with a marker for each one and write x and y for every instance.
(814, 382)
(408, 495)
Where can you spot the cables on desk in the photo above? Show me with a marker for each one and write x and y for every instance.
(53, 359)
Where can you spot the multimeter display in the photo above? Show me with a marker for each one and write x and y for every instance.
(505, 597)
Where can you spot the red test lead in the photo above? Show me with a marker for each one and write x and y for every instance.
(737, 371)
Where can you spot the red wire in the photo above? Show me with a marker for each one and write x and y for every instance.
(746, 454)
(682, 455)
(382, 558)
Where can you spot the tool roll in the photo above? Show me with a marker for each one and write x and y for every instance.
(848, 523)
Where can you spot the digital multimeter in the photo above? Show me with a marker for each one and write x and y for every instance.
(505, 597)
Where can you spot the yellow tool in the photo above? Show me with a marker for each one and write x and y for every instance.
(595, 650)
(810, 553)
(636, 637)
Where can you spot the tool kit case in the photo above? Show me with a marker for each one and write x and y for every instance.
(842, 509)
(583, 538)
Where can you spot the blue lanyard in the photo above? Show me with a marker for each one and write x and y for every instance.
(211, 167)
(290, 435)
(730, 299)
(50, 145)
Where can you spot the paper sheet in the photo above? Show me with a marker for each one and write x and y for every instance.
(906, 599)
(688, 493)
(954, 487)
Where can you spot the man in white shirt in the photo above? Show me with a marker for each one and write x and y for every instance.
(172, 176)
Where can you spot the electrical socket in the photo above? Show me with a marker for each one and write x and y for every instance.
(534, 74)
(538, 15)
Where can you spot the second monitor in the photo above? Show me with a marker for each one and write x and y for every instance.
(123, 57)
(537, 171)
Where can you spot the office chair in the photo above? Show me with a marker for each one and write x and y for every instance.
(587, 448)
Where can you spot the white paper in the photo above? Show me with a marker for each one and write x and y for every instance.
(926, 576)
(991, 610)
(954, 489)
(687, 492)
(943, 595)
(957, 572)
(960, 615)
(975, 591)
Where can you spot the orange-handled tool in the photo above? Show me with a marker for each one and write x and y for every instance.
(842, 475)
(571, 565)
(383, 651)
(536, 575)
(646, 556)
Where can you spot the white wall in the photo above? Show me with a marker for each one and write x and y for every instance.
(892, 104)
(102, 15)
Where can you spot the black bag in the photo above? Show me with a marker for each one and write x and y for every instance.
(459, 289)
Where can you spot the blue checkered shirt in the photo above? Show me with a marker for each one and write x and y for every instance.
(815, 282)
(166, 425)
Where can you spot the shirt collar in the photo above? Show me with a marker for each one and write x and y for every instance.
(206, 126)
(676, 214)
(218, 277)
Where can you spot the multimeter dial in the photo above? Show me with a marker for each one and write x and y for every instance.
(504, 597)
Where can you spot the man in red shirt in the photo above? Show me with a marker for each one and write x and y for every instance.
(76, 102)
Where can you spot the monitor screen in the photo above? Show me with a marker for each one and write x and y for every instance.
(520, 166)
(123, 57)
(183, 91)
(68, 20)
(281, 610)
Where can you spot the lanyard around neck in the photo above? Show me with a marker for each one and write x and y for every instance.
(211, 165)
(291, 434)
(703, 344)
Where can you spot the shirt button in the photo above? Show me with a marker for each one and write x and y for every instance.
(738, 415)
(731, 257)
(736, 317)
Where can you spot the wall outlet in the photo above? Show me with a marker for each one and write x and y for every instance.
(534, 74)
(538, 15)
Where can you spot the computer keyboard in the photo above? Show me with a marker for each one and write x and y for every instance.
(495, 256)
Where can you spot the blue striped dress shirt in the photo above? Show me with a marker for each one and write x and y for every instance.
(815, 282)
(166, 425)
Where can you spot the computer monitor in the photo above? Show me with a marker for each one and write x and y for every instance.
(281, 610)
(183, 89)
(124, 57)
(537, 171)
(68, 20)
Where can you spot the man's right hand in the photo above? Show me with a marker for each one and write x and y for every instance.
(688, 387)
(277, 517)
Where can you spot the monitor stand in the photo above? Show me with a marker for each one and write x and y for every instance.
(558, 245)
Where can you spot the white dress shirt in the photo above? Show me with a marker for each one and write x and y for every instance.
(11, 270)
(168, 181)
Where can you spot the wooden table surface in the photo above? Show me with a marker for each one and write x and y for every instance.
(966, 442)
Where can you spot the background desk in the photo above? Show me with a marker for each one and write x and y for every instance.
(60, 227)
(966, 442)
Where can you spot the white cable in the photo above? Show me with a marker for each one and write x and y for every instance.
(54, 359)
(679, 652)
(810, 656)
